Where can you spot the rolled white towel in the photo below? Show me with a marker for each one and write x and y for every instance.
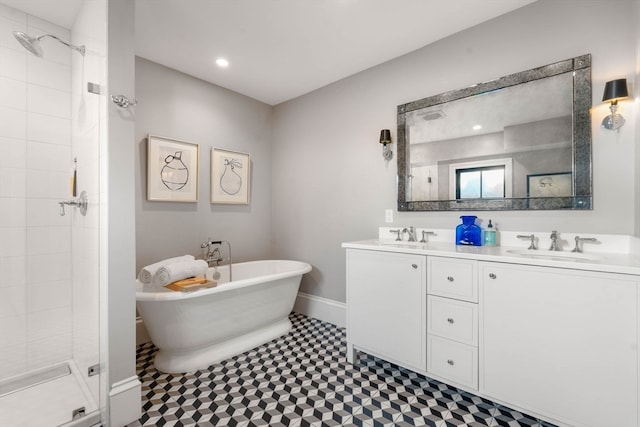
(178, 271)
(146, 274)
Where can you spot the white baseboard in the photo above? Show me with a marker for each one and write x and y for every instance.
(325, 309)
(125, 401)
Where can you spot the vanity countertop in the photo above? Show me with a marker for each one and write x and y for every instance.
(623, 263)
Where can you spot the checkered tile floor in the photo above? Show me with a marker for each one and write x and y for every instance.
(303, 379)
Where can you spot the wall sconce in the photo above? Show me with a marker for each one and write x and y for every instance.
(385, 140)
(613, 91)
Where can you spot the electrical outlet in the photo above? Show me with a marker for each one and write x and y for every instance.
(388, 216)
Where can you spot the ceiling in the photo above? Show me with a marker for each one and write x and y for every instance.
(281, 49)
(60, 12)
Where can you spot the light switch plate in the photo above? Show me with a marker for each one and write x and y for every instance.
(388, 216)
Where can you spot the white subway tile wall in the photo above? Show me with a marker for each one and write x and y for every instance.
(36, 293)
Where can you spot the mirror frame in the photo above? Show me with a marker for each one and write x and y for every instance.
(581, 144)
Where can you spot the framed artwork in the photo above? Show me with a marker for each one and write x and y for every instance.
(172, 170)
(550, 185)
(230, 174)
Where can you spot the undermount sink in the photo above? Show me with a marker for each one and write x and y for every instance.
(401, 243)
(555, 255)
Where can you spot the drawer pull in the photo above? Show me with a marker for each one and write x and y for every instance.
(450, 320)
(450, 362)
(450, 278)
(414, 266)
(492, 276)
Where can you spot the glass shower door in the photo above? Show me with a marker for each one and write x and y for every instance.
(49, 263)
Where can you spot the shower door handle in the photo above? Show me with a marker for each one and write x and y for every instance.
(123, 102)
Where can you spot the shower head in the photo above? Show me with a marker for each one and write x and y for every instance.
(33, 44)
(29, 43)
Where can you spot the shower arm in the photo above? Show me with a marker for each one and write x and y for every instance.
(82, 49)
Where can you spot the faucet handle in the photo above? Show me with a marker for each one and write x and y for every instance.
(425, 237)
(579, 240)
(398, 231)
(531, 236)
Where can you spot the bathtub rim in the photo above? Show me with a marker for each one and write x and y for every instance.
(297, 268)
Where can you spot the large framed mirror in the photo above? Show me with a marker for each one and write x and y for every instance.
(520, 142)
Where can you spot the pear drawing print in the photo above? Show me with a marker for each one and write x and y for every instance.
(174, 174)
(230, 180)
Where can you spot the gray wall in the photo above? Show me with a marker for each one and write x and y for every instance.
(174, 105)
(331, 185)
(318, 174)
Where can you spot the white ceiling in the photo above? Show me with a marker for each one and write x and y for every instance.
(60, 12)
(281, 49)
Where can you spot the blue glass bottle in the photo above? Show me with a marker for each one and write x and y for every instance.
(468, 233)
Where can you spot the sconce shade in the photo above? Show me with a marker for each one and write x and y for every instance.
(615, 89)
(385, 136)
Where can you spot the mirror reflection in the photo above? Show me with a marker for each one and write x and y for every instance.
(520, 142)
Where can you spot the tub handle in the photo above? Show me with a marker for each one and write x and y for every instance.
(209, 255)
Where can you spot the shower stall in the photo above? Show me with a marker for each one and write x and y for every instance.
(52, 136)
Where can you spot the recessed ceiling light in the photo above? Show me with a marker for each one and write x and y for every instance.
(221, 62)
(477, 127)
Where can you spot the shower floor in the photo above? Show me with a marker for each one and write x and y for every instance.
(47, 404)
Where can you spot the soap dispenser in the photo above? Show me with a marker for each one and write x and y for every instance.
(490, 235)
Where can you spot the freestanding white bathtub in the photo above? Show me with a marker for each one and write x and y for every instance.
(195, 330)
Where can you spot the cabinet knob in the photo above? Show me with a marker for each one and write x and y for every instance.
(414, 266)
(450, 362)
(450, 320)
(450, 278)
(492, 276)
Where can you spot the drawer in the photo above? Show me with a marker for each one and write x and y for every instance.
(452, 361)
(452, 319)
(453, 278)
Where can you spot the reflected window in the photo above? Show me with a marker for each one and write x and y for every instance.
(480, 183)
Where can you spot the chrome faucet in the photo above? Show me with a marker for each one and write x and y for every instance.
(579, 241)
(425, 234)
(532, 245)
(412, 233)
(211, 254)
(555, 246)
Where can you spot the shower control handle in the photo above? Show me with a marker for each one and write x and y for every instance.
(79, 202)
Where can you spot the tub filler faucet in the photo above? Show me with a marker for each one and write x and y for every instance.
(211, 253)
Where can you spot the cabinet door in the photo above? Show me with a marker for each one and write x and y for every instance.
(561, 343)
(386, 298)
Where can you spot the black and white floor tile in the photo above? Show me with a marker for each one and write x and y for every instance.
(303, 379)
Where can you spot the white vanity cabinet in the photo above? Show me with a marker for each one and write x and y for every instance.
(561, 343)
(452, 321)
(386, 306)
(557, 339)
